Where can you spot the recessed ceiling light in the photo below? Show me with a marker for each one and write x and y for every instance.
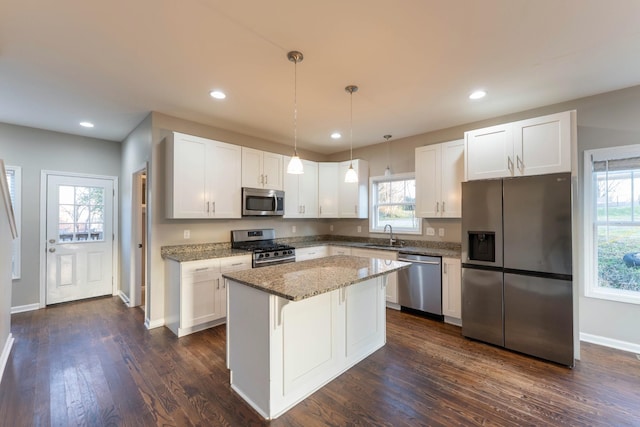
(217, 94)
(478, 94)
(336, 135)
(86, 124)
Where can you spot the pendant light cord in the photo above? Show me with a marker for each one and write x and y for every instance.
(351, 118)
(295, 107)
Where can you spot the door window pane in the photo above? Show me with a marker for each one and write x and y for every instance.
(81, 215)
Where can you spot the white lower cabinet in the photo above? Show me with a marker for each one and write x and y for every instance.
(392, 279)
(312, 252)
(452, 290)
(285, 350)
(195, 293)
(339, 250)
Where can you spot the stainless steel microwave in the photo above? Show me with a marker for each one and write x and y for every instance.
(261, 202)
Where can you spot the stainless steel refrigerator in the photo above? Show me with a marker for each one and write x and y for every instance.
(516, 265)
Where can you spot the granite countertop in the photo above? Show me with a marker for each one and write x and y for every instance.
(196, 252)
(305, 279)
(447, 250)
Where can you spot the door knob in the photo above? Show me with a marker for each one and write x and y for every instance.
(52, 241)
(52, 249)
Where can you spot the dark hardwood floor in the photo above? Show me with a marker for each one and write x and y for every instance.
(93, 363)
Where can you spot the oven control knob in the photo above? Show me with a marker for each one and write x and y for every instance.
(260, 255)
(276, 254)
(266, 255)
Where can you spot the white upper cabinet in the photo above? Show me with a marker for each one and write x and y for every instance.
(353, 197)
(261, 169)
(439, 174)
(543, 145)
(301, 191)
(328, 190)
(535, 146)
(489, 152)
(203, 178)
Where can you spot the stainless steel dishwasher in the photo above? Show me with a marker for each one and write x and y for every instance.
(420, 286)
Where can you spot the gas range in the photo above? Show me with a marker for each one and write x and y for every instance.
(262, 243)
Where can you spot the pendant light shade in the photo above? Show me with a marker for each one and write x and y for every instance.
(351, 175)
(295, 164)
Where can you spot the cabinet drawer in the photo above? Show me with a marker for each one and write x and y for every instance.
(200, 270)
(235, 263)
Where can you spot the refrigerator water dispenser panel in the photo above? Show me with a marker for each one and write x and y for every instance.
(482, 246)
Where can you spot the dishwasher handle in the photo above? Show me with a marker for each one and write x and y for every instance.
(420, 262)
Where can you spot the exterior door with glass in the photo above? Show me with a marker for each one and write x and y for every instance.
(79, 233)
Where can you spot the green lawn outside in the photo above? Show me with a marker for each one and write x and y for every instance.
(613, 243)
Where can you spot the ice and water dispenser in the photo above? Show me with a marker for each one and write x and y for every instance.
(482, 246)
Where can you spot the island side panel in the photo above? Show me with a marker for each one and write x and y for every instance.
(248, 347)
(365, 319)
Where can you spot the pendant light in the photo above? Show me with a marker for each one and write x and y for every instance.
(351, 175)
(387, 171)
(295, 164)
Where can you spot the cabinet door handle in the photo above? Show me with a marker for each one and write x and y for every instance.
(444, 268)
(320, 210)
(202, 269)
(218, 280)
(237, 263)
(266, 179)
(437, 207)
(520, 164)
(510, 164)
(208, 207)
(443, 207)
(213, 209)
(261, 179)
(304, 209)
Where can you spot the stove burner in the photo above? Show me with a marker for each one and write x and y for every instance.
(262, 243)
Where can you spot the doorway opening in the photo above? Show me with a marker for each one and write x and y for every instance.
(139, 239)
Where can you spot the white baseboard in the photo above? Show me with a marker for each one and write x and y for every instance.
(610, 342)
(23, 308)
(125, 299)
(453, 321)
(4, 357)
(155, 324)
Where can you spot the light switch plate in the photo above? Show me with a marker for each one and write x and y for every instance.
(441, 232)
(293, 228)
(187, 234)
(359, 229)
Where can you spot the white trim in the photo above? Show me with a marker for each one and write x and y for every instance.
(155, 324)
(610, 342)
(4, 357)
(23, 308)
(124, 298)
(43, 229)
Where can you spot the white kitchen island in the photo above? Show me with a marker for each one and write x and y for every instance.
(294, 327)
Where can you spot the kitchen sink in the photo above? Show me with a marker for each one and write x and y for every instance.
(383, 245)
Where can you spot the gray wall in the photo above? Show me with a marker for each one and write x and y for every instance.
(35, 150)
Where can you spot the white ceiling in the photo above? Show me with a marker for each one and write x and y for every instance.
(415, 62)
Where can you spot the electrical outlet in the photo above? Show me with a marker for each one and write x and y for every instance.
(431, 231)
(187, 234)
(331, 227)
(359, 229)
(441, 232)
(293, 228)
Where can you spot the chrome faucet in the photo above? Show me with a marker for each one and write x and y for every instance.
(391, 239)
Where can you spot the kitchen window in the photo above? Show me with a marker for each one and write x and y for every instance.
(14, 179)
(393, 202)
(612, 223)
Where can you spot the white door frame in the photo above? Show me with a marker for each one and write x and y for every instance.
(44, 174)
